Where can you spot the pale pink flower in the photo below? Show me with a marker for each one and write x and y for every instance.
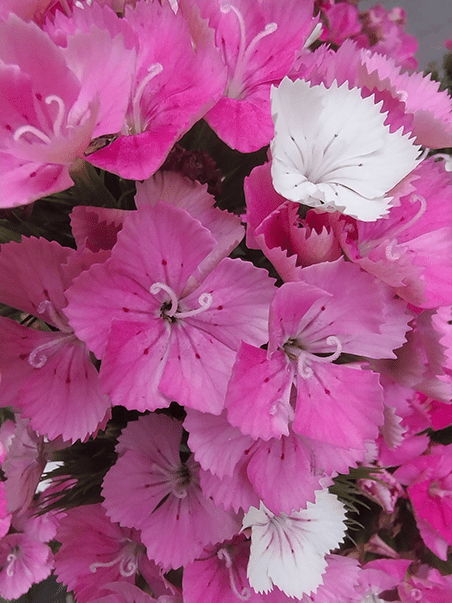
(48, 374)
(23, 561)
(95, 552)
(160, 495)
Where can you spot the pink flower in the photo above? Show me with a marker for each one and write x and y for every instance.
(23, 561)
(429, 486)
(95, 552)
(342, 22)
(177, 78)
(311, 323)
(48, 374)
(160, 337)
(383, 31)
(160, 494)
(61, 107)
(258, 44)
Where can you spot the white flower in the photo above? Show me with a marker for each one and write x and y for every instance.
(332, 150)
(288, 551)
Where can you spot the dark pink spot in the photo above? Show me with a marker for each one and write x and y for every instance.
(38, 96)
(327, 392)
(164, 262)
(198, 356)
(126, 309)
(220, 308)
(282, 456)
(9, 128)
(33, 174)
(322, 308)
(146, 351)
(266, 380)
(68, 379)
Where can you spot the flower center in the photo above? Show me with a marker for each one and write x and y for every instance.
(169, 310)
(58, 122)
(304, 359)
(127, 559)
(236, 84)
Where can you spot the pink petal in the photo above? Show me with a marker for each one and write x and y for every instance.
(324, 406)
(258, 396)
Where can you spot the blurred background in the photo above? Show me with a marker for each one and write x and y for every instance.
(430, 21)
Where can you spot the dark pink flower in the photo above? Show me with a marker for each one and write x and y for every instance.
(258, 43)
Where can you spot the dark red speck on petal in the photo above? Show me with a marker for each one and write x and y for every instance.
(164, 262)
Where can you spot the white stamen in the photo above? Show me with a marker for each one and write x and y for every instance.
(243, 594)
(235, 86)
(153, 70)
(205, 301)
(305, 359)
(390, 254)
(37, 358)
(10, 559)
(126, 559)
(53, 98)
(46, 306)
(31, 130)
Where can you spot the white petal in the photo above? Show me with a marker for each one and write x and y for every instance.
(289, 551)
(332, 150)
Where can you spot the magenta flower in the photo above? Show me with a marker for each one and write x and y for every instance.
(429, 486)
(159, 338)
(258, 44)
(177, 79)
(160, 494)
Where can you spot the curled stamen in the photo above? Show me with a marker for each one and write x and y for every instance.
(53, 98)
(235, 87)
(10, 559)
(305, 359)
(153, 70)
(243, 594)
(205, 301)
(46, 306)
(390, 253)
(31, 130)
(157, 287)
(178, 478)
(126, 559)
(37, 358)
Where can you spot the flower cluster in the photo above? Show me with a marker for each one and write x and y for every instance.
(226, 304)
